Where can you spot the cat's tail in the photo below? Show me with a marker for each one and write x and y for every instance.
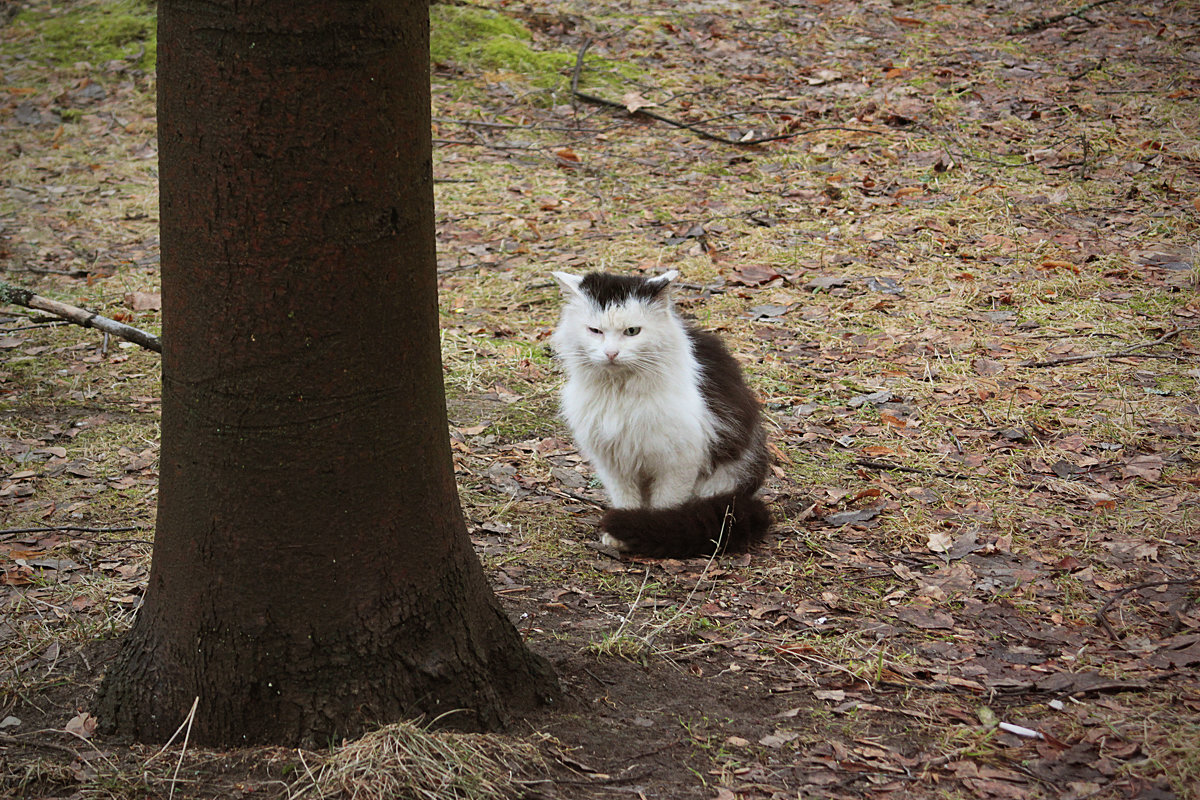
(704, 526)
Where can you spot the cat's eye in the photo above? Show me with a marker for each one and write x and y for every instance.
(596, 331)
(632, 331)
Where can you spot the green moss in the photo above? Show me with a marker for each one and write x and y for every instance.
(458, 32)
(481, 39)
(98, 32)
(462, 35)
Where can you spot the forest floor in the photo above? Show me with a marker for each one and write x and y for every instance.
(963, 282)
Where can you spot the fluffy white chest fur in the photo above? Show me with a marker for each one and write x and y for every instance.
(647, 434)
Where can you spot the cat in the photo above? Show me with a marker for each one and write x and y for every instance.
(661, 410)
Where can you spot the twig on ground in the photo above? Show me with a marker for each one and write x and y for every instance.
(1159, 91)
(1087, 70)
(489, 145)
(1121, 593)
(471, 123)
(88, 319)
(1127, 352)
(577, 497)
(183, 750)
(1036, 25)
(64, 528)
(185, 724)
(633, 606)
(58, 323)
(16, 741)
(701, 132)
(933, 473)
(888, 466)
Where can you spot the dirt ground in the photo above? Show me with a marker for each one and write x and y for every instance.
(955, 248)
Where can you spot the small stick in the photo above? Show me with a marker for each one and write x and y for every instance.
(182, 750)
(13, 741)
(701, 132)
(1128, 352)
(1103, 620)
(956, 476)
(63, 528)
(887, 466)
(933, 473)
(88, 319)
(1041, 24)
(577, 497)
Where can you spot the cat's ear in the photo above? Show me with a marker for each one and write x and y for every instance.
(568, 283)
(661, 282)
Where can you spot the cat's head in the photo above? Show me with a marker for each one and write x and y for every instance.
(614, 321)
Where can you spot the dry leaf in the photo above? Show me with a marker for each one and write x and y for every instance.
(778, 738)
(987, 367)
(633, 101)
(822, 76)
(1053, 264)
(1148, 467)
(848, 517)
(753, 275)
(927, 619)
(144, 301)
(567, 159)
(940, 541)
(82, 725)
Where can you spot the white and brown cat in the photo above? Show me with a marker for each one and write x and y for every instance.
(662, 412)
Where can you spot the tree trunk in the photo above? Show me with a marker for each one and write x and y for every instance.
(312, 574)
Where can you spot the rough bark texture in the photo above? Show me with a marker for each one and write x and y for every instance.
(312, 572)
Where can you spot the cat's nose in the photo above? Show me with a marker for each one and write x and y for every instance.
(612, 355)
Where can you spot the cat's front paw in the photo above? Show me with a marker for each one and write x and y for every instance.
(608, 540)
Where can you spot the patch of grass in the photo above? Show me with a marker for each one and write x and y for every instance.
(38, 778)
(620, 644)
(98, 32)
(407, 760)
(651, 626)
(488, 40)
(469, 36)
(478, 37)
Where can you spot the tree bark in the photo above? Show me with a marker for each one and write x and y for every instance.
(311, 573)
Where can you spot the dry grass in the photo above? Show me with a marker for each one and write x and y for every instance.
(411, 761)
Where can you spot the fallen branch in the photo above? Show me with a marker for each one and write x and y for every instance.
(696, 129)
(1041, 24)
(88, 319)
(887, 466)
(67, 528)
(1100, 614)
(1128, 352)
(16, 741)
